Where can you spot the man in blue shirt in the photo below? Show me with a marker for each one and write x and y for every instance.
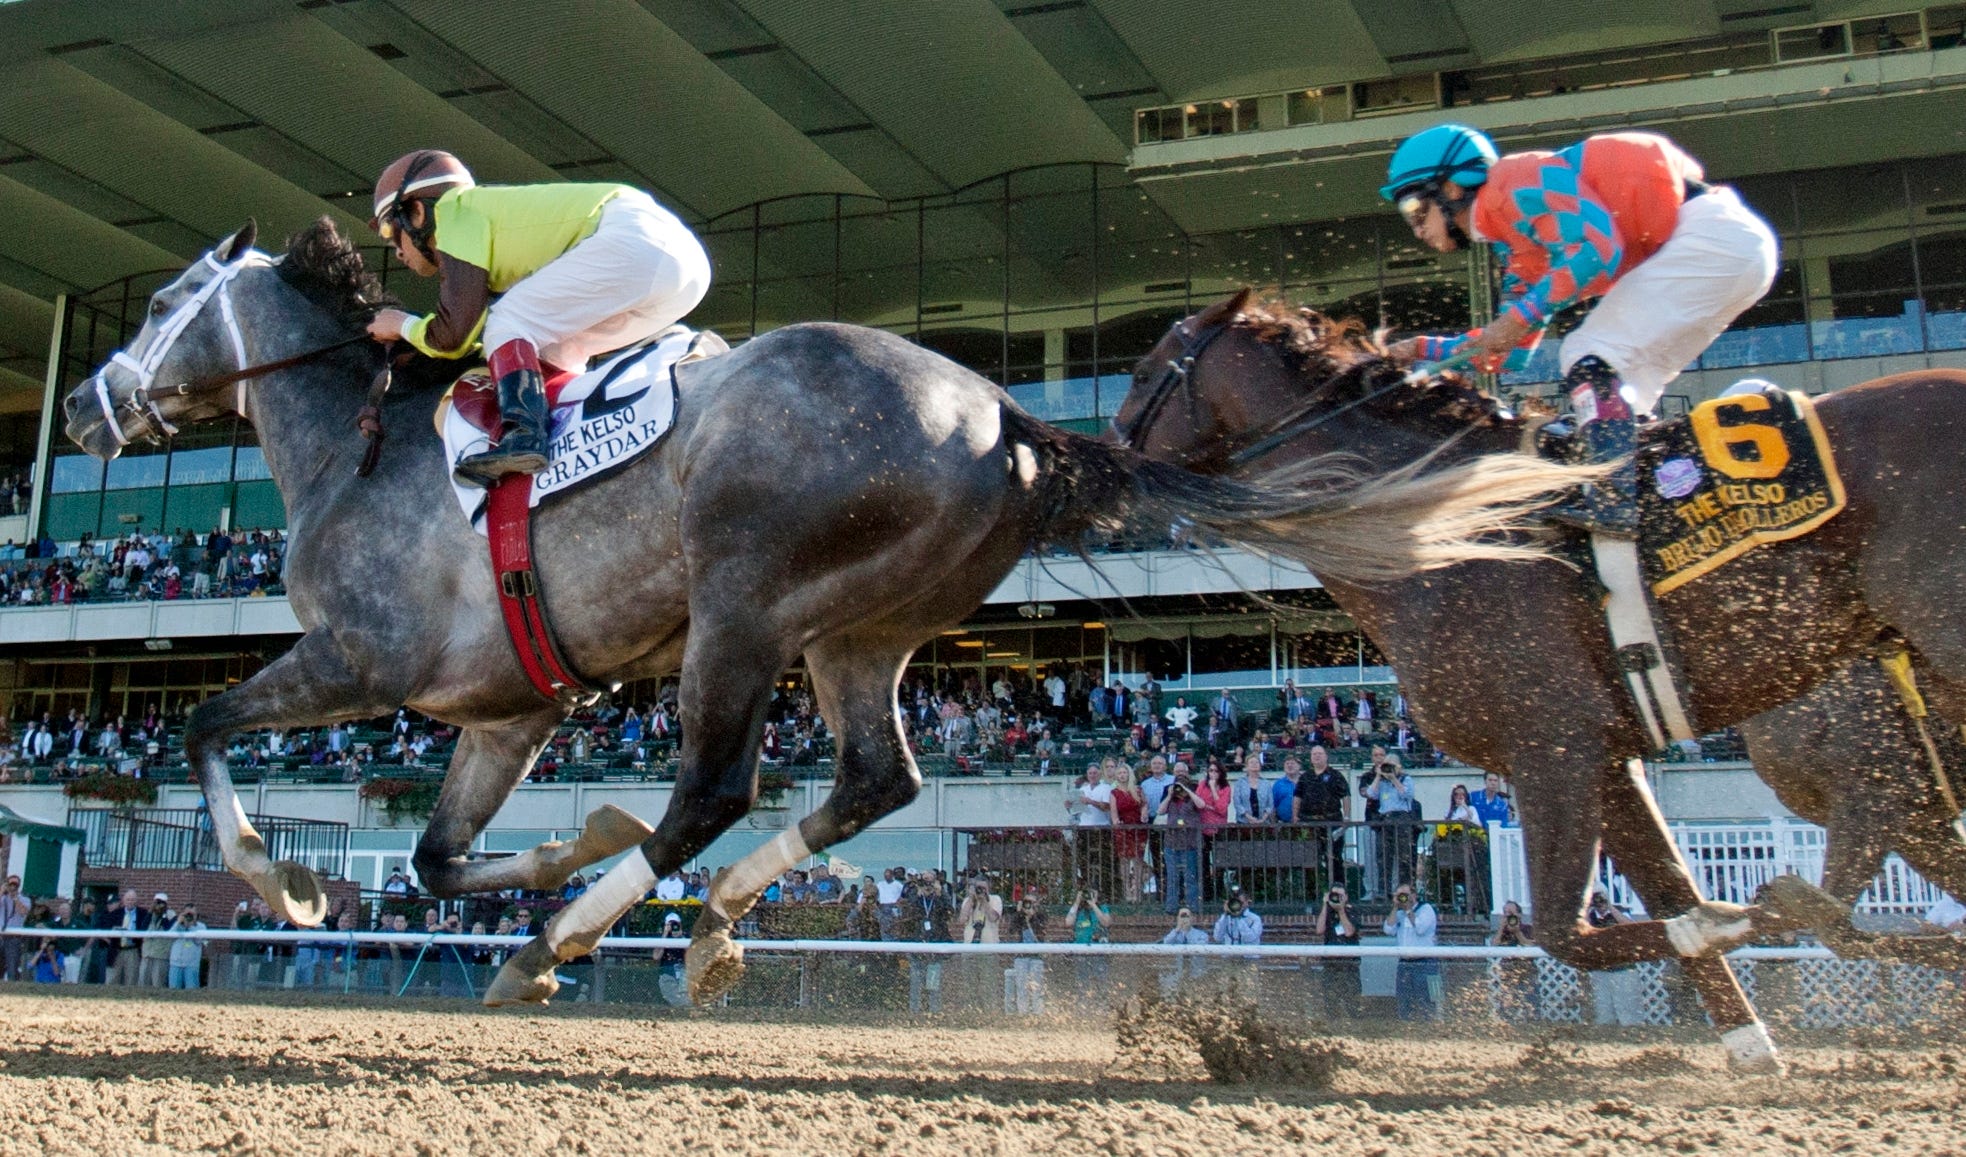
(1155, 786)
(1283, 794)
(1489, 803)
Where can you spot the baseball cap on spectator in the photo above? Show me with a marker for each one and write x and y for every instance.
(161, 896)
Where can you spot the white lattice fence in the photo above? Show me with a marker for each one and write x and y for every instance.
(1729, 862)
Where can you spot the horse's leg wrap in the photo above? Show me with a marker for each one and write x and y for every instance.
(714, 962)
(609, 831)
(1712, 927)
(528, 976)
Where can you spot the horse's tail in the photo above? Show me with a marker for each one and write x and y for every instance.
(1327, 512)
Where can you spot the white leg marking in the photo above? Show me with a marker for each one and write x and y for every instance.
(755, 872)
(594, 911)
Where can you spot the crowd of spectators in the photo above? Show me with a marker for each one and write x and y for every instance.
(219, 564)
(1156, 827)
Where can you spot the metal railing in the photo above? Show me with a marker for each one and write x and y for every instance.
(182, 838)
(1288, 864)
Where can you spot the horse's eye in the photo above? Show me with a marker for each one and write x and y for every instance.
(158, 308)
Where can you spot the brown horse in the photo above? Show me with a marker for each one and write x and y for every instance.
(1510, 666)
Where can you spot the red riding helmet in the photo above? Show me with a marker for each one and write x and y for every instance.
(424, 174)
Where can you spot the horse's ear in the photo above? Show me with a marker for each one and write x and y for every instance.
(1224, 310)
(235, 246)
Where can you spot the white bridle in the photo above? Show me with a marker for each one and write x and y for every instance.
(172, 326)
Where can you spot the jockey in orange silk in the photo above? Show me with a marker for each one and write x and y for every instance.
(1625, 218)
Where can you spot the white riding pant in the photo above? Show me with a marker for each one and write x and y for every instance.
(637, 274)
(1720, 259)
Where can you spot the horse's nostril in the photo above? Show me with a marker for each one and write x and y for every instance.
(68, 408)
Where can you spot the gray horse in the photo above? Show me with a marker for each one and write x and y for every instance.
(827, 490)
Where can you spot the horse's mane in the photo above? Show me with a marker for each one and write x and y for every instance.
(327, 269)
(1342, 354)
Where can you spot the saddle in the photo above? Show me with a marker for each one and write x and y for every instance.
(1737, 472)
(602, 419)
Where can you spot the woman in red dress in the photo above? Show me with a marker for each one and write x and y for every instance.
(1129, 832)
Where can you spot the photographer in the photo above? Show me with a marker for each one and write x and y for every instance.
(1180, 811)
(1417, 983)
(1025, 924)
(1181, 968)
(1399, 813)
(925, 916)
(981, 914)
(1337, 924)
(187, 952)
(1615, 995)
(1519, 999)
(1239, 925)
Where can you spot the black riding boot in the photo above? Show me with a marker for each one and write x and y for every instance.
(1606, 434)
(521, 447)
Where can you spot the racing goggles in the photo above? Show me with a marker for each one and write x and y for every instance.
(1412, 203)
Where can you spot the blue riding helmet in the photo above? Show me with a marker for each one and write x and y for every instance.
(1454, 153)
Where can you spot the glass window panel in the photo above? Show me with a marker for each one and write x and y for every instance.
(1142, 253)
(1321, 254)
(250, 465)
(134, 470)
(1945, 26)
(1223, 263)
(877, 261)
(1896, 33)
(1841, 200)
(1812, 43)
(979, 349)
(962, 266)
(795, 266)
(1769, 332)
(1051, 237)
(70, 473)
(208, 464)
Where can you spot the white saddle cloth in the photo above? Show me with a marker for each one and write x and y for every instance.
(605, 418)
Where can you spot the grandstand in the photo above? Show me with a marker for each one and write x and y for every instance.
(1039, 213)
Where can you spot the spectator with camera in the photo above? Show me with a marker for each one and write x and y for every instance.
(1239, 925)
(1181, 839)
(1519, 999)
(155, 953)
(187, 949)
(1416, 984)
(1337, 926)
(1399, 817)
(981, 915)
(1614, 991)
(925, 916)
(1183, 968)
(1025, 923)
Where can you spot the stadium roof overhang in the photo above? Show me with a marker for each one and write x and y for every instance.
(133, 133)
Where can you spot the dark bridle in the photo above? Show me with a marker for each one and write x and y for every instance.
(1178, 373)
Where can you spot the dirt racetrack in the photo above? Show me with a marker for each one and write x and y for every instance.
(99, 1072)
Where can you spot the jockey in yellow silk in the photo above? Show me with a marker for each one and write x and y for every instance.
(1626, 218)
(577, 270)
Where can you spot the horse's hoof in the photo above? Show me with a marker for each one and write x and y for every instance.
(1790, 903)
(1751, 1051)
(527, 978)
(713, 964)
(610, 831)
(295, 894)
